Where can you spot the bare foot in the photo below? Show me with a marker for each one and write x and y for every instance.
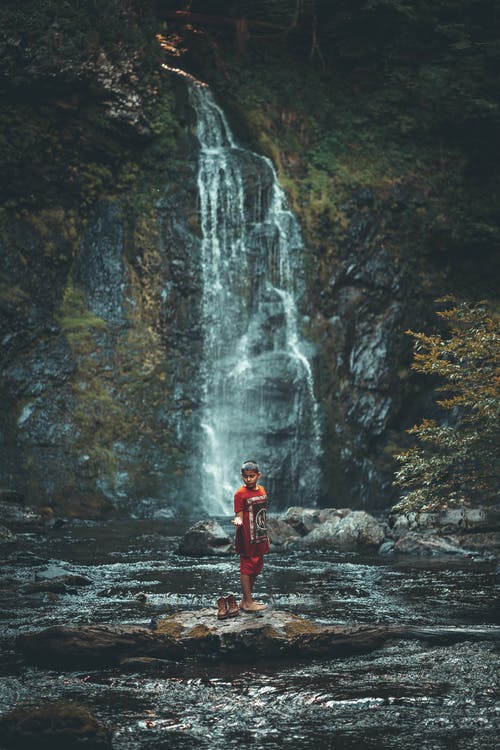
(252, 607)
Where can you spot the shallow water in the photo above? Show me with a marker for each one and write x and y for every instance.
(410, 693)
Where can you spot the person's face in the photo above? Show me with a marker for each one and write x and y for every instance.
(250, 479)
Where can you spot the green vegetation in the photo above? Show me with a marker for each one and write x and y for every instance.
(394, 94)
(75, 318)
(456, 460)
(87, 110)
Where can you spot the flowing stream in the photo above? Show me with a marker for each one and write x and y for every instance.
(258, 396)
(408, 694)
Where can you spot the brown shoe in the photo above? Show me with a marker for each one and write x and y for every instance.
(222, 612)
(232, 606)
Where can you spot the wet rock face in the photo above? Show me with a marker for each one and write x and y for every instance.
(102, 341)
(367, 299)
(99, 269)
(99, 352)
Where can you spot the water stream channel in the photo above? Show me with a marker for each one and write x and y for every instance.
(408, 694)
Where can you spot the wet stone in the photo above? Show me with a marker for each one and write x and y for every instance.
(248, 636)
(59, 726)
(58, 585)
(205, 538)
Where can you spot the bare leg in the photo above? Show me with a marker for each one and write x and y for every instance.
(247, 603)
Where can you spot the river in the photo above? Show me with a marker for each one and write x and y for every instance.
(411, 694)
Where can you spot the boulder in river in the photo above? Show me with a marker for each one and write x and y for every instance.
(248, 637)
(329, 528)
(459, 531)
(205, 538)
(59, 725)
(429, 544)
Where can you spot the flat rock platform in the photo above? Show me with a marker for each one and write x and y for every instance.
(198, 633)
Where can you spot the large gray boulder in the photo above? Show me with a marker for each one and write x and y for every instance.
(328, 528)
(358, 529)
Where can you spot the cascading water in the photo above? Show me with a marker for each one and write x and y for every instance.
(258, 400)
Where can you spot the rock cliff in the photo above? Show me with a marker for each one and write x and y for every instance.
(100, 288)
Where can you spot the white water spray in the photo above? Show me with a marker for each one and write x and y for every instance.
(258, 398)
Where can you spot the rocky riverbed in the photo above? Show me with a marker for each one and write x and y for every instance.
(433, 692)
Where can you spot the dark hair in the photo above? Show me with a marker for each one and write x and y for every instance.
(250, 466)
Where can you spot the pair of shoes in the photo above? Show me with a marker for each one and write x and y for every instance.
(222, 612)
(227, 607)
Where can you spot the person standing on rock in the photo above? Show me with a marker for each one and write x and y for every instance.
(252, 542)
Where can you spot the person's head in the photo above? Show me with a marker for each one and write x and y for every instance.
(250, 474)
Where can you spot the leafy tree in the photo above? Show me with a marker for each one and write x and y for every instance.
(456, 461)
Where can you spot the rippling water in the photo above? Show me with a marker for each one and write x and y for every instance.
(409, 694)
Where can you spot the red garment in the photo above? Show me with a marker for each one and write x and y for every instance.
(251, 566)
(251, 538)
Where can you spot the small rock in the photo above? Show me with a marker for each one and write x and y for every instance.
(146, 665)
(57, 572)
(386, 548)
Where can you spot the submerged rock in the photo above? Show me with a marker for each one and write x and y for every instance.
(58, 585)
(11, 496)
(6, 536)
(59, 726)
(205, 538)
(17, 515)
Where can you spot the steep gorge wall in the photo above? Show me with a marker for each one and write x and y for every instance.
(99, 278)
(100, 283)
(99, 350)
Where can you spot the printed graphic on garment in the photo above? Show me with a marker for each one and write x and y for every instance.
(257, 511)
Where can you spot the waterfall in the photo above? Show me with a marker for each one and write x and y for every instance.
(258, 397)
